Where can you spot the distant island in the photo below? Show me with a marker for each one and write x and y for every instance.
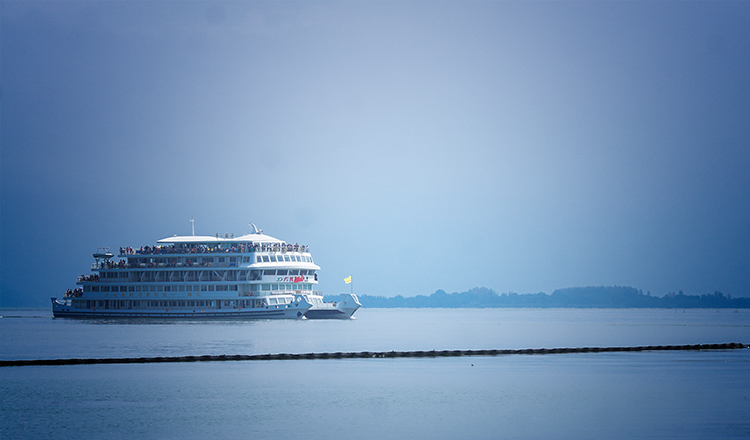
(573, 297)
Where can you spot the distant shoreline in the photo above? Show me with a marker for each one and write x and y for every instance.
(608, 297)
(602, 297)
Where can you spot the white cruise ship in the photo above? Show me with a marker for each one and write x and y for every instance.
(252, 276)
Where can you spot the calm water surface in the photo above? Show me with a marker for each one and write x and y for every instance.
(591, 395)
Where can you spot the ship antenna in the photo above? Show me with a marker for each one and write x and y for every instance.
(255, 229)
(193, 222)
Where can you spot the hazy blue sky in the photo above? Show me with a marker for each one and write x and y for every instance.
(521, 146)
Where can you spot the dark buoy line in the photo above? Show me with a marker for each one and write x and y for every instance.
(364, 355)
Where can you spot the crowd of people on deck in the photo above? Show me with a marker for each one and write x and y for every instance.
(77, 293)
(113, 264)
(189, 249)
(122, 264)
(205, 249)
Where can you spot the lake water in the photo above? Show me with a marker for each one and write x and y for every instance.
(673, 394)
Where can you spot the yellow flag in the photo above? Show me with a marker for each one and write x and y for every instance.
(348, 279)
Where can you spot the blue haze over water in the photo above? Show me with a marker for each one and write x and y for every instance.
(682, 394)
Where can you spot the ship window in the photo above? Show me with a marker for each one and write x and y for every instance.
(124, 289)
(281, 272)
(273, 258)
(221, 259)
(94, 288)
(132, 288)
(269, 272)
(286, 258)
(182, 288)
(294, 272)
(274, 287)
(166, 288)
(265, 287)
(265, 259)
(234, 287)
(211, 288)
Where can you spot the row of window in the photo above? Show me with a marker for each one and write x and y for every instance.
(156, 289)
(114, 304)
(280, 287)
(199, 275)
(282, 258)
(265, 258)
(161, 288)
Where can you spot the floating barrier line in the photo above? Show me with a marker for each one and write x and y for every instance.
(364, 355)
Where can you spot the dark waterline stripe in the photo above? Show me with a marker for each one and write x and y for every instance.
(363, 355)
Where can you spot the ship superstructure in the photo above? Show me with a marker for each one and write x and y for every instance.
(251, 276)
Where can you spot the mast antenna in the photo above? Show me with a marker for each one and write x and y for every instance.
(193, 222)
(255, 229)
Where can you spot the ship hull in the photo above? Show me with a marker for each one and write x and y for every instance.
(61, 310)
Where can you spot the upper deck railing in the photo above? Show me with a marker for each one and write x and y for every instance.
(218, 249)
(122, 264)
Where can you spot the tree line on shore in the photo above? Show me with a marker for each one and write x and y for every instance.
(573, 297)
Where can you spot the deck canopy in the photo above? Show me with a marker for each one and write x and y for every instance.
(205, 239)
